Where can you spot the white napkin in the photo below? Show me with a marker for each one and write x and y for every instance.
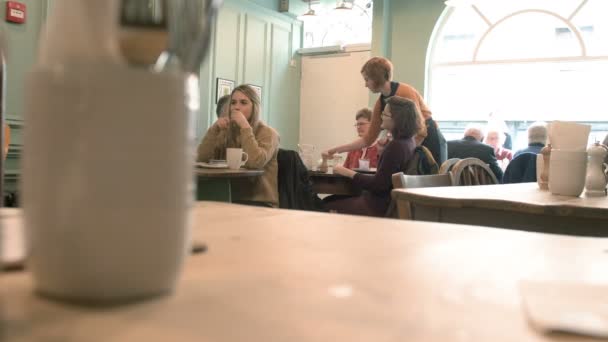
(560, 307)
(568, 135)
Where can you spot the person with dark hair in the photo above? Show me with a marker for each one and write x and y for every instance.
(402, 119)
(378, 74)
(363, 119)
(244, 129)
(222, 106)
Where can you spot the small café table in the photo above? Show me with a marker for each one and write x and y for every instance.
(516, 206)
(216, 184)
(334, 184)
(287, 275)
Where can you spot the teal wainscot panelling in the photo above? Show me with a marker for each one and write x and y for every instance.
(22, 43)
(255, 45)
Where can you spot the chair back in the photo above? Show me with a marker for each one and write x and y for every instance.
(403, 181)
(400, 180)
(472, 171)
(522, 169)
(422, 163)
(448, 164)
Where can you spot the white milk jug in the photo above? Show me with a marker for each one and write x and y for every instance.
(107, 168)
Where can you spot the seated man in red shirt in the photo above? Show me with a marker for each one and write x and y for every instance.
(363, 118)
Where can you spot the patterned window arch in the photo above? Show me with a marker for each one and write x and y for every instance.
(526, 59)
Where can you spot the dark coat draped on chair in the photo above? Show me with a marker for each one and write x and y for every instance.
(295, 187)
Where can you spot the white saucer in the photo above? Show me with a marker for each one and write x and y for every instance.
(212, 166)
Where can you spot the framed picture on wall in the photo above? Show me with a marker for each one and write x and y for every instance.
(223, 87)
(257, 89)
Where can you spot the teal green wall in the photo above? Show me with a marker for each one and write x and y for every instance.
(255, 45)
(22, 42)
(269, 4)
(402, 33)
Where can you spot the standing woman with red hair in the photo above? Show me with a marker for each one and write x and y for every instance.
(378, 74)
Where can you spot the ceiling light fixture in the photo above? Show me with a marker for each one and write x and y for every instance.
(309, 15)
(342, 9)
(342, 6)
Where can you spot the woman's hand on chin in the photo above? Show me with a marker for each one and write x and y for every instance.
(239, 119)
(223, 123)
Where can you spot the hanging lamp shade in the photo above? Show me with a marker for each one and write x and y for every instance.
(342, 9)
(309, 15)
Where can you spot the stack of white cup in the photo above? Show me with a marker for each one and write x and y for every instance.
(568, 163)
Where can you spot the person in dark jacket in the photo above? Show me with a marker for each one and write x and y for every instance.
(402, 118)
(537, 138)
(471, 147)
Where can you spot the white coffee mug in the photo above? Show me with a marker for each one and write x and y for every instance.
(234, 158)
(107, 191)
(567, 171)
(364, 164)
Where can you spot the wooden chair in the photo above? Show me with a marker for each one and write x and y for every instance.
(472, 171)
(403, 181)
(448, 164)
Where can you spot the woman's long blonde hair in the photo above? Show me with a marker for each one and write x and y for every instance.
(233, 136)
(252, 95)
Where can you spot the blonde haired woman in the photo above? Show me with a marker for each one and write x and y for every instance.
(243, 129)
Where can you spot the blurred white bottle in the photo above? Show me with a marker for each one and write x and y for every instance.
(107, 176)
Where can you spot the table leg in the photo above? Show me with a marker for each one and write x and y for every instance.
(213, 189)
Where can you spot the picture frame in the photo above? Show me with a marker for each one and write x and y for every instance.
(223, 87)
(258, 89)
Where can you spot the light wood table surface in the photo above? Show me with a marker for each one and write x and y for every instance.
(216, 184)
(518, 206)
(284, 275)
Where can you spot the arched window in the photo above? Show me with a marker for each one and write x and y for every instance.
(527, 60)
(330, 26)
